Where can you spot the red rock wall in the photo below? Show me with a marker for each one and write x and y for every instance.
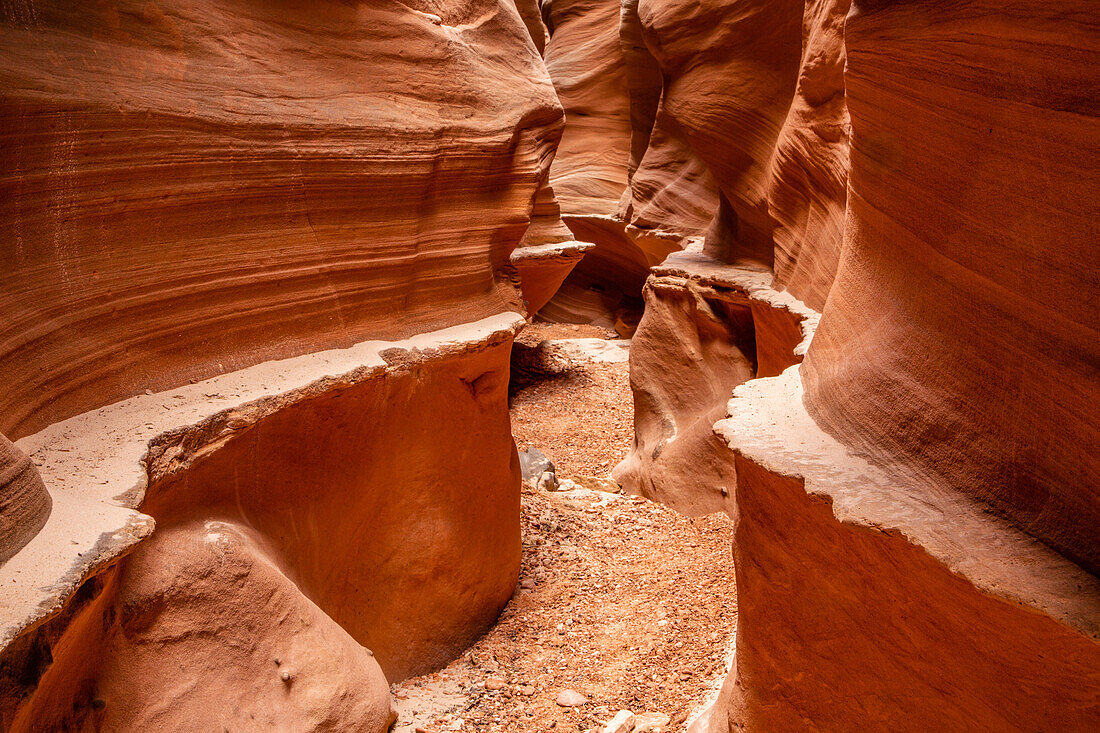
(24, 501)
(925, 175)
(958, 337)
(188, 188)
(757, 90)
(585, 61)
(626, 179)
(842, 627)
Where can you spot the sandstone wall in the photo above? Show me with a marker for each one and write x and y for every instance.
(323, 515)
(961, 312)
(914, 182)
(260, 284)
(190, 188)
(627, 180)
(756, 92)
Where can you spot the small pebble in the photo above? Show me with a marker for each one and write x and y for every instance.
(570, 698)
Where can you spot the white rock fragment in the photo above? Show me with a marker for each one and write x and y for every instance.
(570, 698)
(651, 722)
(623, 722)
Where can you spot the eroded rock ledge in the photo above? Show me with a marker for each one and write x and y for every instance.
(370, 492)
(707, 327)
(864, 595)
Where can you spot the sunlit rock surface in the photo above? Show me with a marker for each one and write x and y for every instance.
(918, 180)
(259, 298)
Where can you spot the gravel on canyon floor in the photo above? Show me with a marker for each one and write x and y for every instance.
(582, 419)
(621, 602)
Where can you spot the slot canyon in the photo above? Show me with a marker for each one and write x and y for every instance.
(591, 366)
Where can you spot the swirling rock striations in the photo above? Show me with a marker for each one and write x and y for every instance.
(757, 91)
(257, 280)
(191, 188)
(626, 181)
(585, 61)
(924, 176)
(24, 501)
(960, 312)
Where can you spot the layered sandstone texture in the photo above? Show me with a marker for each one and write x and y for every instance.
(707, 327)
(756, 91)
(907, 193)
(25, 502)
(191, 188)
(961, 312)
(626, 182)
(260, 294)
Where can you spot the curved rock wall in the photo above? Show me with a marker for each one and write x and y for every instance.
(585, 61)
(190, 188)
(923, 174)
(958, 337)
(757, 91)
(24, 501)
(245, 219)
(627, 180)
(376, 510)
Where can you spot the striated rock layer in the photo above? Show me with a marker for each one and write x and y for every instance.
(191, 188)
(961, 310)
(24, 501)
(365, 497)
(626, 179)
(924, 176)
(258, 268)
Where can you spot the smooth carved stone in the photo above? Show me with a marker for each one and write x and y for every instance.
(329, 463)
(670, 188)
(193, 187)
(206, 602)
(928, 591)
(707, 327)
(959, 336)
(24, 502)
(605, 80)
(730, 71)
(585, 61)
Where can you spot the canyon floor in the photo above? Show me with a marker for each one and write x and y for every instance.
(621, 600)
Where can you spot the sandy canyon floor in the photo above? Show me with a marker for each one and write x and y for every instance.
(621, 600)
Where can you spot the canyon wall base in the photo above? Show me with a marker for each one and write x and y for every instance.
(864, 598)
(313, 518)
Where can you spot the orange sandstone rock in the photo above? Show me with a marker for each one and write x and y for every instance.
(24, 501)
(191, 188)
(227, 229)
(956, 337)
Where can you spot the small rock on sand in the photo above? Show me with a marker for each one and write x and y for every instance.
(533, 463)
(650, 722)
(623, 722)
(548, 481)
(570, 698)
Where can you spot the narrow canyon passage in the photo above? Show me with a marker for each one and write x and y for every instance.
(620, 599)
(788, 306)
